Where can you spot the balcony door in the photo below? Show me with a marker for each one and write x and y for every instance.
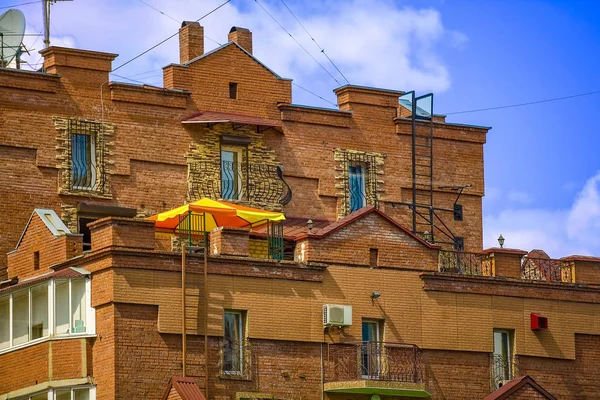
(231, 175)
(502, 361)
(370, 349)
(233, 336)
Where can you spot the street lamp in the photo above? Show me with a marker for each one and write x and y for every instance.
(310, 224)
(501, 241)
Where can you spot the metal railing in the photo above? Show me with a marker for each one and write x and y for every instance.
(546, 269)
(238, 181)
(235, 359)
(382, 361)
(85, 152)
(502, 370)
(461, 262)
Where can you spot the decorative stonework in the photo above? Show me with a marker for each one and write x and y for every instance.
(104, 156)
(69, 216)
(261, 188)
(373, 163)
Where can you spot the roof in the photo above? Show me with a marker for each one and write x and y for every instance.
(516, 384)
(293, 227)
(356, 215)
(50, 219)
(70, 272)
(213, 51)
(214, 117)
(186, 388)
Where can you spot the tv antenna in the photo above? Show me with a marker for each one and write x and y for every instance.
(47, 4)
(12, 30)
(426, 221)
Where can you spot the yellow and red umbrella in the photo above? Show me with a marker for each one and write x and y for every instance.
(215, 213)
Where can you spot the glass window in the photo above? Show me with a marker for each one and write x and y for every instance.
(4, 322)
(502, 355)
(370, 354)
(20, 317)
(39, 311)
(230, 174)
(82, 158)
(41, 396)
(63, 394)
(232, 341)
(61, 308)
(81, 394)
(356, 187)
(78, 305)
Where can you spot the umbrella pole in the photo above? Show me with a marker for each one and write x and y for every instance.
(183, 319)
(205, 304)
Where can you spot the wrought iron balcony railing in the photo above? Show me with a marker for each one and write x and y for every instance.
(235, 359)
(238, 181)
(546, 269)
(502, 370)
(380, 361)
(460, 262)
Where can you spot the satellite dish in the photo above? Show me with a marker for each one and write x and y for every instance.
(12, 29)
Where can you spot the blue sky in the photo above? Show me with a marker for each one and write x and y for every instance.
(542, 173)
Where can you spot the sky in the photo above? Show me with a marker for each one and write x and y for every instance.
(542, 171)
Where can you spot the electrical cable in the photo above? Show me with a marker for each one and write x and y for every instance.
(524, 104)
(315, 42)
(314, 94)
(299, 44)
(169, 38)
(18, 5)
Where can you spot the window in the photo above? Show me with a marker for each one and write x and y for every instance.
(373, 257)
(458, 212)
(233, 90)
(231, 173)
(83, 160)
(502, 356)
(36, 260)
(370, 348)
(77, 393)
(26, 315)
(233, 342)
(459, 243)
(356, 186)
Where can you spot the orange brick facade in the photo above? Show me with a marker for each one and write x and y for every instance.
(148, 161)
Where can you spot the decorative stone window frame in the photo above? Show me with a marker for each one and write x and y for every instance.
(100, 133)
(372, 163)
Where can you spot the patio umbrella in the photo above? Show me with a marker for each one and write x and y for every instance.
(212, 214)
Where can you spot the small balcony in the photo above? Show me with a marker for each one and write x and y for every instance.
(380, 368)
(461, 262)
(502, 370)
(546, 269)
(235, 359)
(237, 181)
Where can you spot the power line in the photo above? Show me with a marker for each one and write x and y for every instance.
(174, 19)
(315, 42)
(299, 44)
(525, 104)
(18, 5)
(314, 94)
(167, 39)
(129, 79)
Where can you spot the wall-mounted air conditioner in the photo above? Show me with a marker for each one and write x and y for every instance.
(336, 315)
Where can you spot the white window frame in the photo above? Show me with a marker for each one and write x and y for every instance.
(239, 151)
(378, 342)
(509, 350)
(51, 393)
(240, 341)
(51, 283)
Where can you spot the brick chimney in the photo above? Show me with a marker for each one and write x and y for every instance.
(241, 36)
(191, 41)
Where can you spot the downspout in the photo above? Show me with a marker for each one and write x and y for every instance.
(205, 305)
(322, 375)
(183, 319)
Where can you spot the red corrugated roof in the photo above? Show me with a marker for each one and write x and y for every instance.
(516, 384)
(187, 388)
(63, 273)
(207, 117)
(293, 227)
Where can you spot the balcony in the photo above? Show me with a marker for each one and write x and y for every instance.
(460, 262)
(546, 269)
(381, 368)
(502, 370)
(236, 181)
(235, 359)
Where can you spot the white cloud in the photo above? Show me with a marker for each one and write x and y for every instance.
(519, 197)
(374, 43)
(558, 232)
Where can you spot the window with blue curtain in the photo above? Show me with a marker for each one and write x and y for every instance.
(356, 187)
(81, 158)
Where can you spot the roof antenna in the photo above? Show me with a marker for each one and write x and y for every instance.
(47, 4)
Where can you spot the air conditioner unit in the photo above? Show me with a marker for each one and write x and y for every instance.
(336, 315)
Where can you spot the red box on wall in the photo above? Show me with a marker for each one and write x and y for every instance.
(538, 322)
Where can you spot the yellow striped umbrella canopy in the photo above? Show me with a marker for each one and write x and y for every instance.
(217, 213)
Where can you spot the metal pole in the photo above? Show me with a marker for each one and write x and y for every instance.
(205, 305)
(183, 319)
(47, 23)
(414, 162)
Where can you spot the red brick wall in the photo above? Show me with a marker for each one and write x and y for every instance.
(527, 392)
(23, 368)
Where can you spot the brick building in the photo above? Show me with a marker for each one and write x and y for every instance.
(345, 301)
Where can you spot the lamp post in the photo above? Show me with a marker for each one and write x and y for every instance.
(501, 241)
(309, 224)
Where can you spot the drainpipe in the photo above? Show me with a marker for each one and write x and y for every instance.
(183, 319)
(205, 308)
(322, 375)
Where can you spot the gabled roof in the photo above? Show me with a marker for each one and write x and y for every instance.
(186, 388)
(50, 219)
(71, 272)
(213, 51)
(358, 214)
(516, 384)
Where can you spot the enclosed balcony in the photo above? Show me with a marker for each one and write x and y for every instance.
(381, 368)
